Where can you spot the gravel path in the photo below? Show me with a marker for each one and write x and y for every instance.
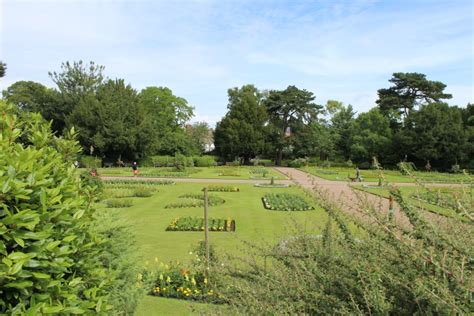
(348, 199)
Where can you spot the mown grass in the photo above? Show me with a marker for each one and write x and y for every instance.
(148, 219)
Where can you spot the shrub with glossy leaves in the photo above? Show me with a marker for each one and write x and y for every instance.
(51, 255)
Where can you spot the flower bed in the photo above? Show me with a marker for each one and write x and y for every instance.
(268, 185)
(195, 200)
(197, 224)
(137, 182)
(182, 283)
(119, 203)
(222, 188)
(285, 202)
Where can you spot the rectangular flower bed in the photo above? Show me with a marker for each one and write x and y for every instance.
(222, 188)
(197, 224)
(285, 202)
(195, 200)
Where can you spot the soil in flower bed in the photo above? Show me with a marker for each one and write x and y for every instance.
(285, 202)
(197, 224)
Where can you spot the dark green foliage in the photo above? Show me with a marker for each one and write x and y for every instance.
(408, 91)
(54, 257)
(371, 137)
(241, 133)
(435, 133)
(289, 110)
(3, 69)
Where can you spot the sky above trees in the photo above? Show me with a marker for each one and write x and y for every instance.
(343, 50)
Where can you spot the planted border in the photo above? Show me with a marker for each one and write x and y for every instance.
(222, 188)
(285, 202)
(137, 182)
(197, 224)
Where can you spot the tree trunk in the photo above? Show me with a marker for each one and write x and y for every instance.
(279, 157)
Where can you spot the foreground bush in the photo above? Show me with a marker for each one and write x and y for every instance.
(54, 258)
(390, 269)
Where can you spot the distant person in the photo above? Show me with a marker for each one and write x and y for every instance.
(93, 172)
(135, 168)
(358, 178)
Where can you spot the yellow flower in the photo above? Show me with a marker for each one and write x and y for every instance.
(161, 276)
(205, 280)
(168, 279)
(193, 281)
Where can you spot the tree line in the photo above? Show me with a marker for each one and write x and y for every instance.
(410, 122)
(113, 119)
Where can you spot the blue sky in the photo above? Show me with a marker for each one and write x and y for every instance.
(342, 50)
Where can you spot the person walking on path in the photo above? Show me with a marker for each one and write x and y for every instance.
(358, 178)
(135, 168)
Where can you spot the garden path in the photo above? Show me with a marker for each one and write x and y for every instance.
(347, 198)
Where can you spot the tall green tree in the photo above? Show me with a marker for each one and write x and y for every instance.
(241, 132)
(201, 136)
(435, 133)
(75, 81)
(166, 115)
(371, 137)
(34, 97)
(341, 121)
(289, 109)
(111, 122)
(409, 91)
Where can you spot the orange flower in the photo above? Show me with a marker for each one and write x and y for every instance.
(184, 272)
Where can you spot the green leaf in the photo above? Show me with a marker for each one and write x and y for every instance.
(19, 285)
(40, 275)
(19, 241)
(53, 245)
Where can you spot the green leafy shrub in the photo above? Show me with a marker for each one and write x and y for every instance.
(91, 181)
(53, 257)
(90, 162)
(118, 203)
(204, 161)
(143, 192)
(162, 161)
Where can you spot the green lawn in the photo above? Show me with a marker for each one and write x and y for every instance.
(223, 172)
(391, 176)
(148, 219)
(411, 193)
